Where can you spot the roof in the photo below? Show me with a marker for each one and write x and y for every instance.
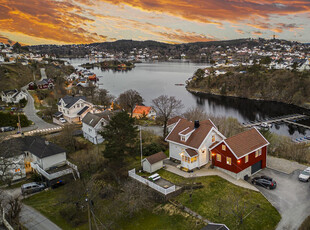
(140, 109)
(36, 145)
(71, 100)
(246, 142)
(57, 114)
(196, 138)
(83, 110)
(215, 143)
(93, 119)
(156, 157)
(174, 120)
(191, 152)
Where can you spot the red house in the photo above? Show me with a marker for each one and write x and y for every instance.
(241, 155)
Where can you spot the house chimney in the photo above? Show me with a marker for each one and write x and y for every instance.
(46, 142)
(196, 124)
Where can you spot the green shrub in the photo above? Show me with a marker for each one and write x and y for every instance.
(8, 119)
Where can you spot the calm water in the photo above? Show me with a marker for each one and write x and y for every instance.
(154, 79)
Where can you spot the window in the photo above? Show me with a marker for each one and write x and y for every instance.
(78, 105)
(182, 138)
(218, 157)
(193, 159)
(183, 158)
(246, 160)
(228, 160)
(258, 153)
(224, 147)
(213, 138)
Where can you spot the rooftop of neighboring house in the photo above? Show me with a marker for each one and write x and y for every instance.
(197, 136)
(156, 157)
(140, 109)
(71, 100)
(93, 119)
(174, 120)
(245, 142)
(10, 92)
(36, 145)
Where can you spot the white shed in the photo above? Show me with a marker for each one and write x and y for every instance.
(154, 162)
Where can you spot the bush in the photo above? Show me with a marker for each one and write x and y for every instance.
(72, 214)
(7, 119)
(152, 148)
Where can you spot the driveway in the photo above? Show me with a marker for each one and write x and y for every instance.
(30, 217)
(290, 198)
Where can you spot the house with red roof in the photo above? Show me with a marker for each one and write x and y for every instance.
(195, 144)
(141, 111)
(241, 155)
(189, 142)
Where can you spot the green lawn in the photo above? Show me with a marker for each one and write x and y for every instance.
(206, 202)
(47, 203)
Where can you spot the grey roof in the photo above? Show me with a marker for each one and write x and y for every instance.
(57, 114)
(71, 100)
(36, 145)
(83, 110)
(12, 92)
(93, 119)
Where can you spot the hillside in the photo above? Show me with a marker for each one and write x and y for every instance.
(257, 82)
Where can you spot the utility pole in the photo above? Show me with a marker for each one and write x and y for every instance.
(141, 144)
(88, 210)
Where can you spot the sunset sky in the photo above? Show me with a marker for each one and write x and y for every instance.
(174, 21)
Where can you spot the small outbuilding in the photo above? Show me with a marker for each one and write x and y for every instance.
(154, 162)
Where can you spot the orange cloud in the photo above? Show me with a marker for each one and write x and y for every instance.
(54, 20)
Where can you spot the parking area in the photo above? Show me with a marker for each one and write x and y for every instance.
(291, 197)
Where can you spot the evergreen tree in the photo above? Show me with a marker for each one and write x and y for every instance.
(120, 139)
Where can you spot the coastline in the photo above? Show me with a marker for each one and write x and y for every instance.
(197, 92)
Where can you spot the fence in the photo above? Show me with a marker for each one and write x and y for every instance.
(165, 191)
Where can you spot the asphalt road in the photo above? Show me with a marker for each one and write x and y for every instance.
(30, 112)
(29, 217)
(291, 198)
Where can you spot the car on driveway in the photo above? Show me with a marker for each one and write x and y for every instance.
(32, 187)
(305, 175)
(7, 129)
(62, 120)
(265, 181)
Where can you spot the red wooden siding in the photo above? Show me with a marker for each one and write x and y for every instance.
(235, 166)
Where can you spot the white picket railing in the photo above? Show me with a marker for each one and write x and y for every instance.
(165, 191)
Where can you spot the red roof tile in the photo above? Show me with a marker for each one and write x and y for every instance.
(174, 120)
(196, 138)
(246, 142)
(140, 109)
(191, 152)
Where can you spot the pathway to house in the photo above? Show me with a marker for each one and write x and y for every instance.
(204, 171)
(29, 217)
(282, 165)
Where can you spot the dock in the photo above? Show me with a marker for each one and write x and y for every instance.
(286, 118)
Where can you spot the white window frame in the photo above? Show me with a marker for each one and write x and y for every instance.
(246, 159)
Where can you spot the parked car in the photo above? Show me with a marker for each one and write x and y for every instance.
(62, 120)
(265, 181)
(6, 129)
(58, 184)
(32, 187)
(305, 175)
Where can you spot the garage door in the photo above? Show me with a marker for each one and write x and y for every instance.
(257, 166)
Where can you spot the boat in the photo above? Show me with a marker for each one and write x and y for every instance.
(179, 84)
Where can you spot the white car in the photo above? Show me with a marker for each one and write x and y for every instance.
(62, 120)
(305, 175)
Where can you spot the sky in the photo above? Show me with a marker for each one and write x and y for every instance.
(33, 22)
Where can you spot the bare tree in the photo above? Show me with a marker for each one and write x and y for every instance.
(104, 98)
(11, 160)
(195, 113)
(129, 99)
(166, 107)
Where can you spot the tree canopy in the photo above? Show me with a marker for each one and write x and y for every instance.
(129, 99)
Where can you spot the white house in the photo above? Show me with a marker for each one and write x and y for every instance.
(37, 154)
(154, 162)
(189, 142)
(74, 108)
(13, 96)
(92, 124)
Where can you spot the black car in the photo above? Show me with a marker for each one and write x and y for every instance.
(265, 181)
